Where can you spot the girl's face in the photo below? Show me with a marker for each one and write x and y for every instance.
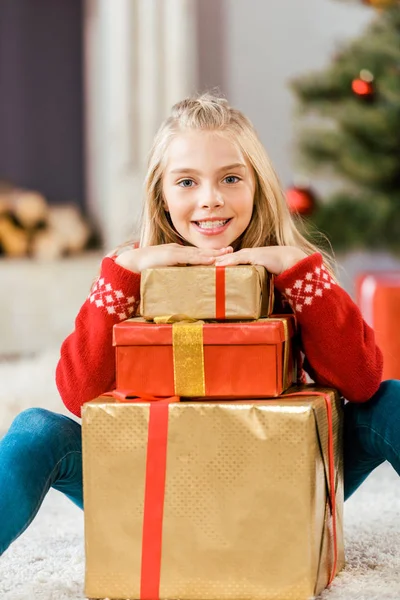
(208, 188)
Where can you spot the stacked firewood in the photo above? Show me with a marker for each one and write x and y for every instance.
(30, 226)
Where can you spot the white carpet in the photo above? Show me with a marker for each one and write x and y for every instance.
(47, 561)
(29, 382)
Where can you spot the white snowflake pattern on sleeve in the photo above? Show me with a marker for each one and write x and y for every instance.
(314, 284)
(113, 301)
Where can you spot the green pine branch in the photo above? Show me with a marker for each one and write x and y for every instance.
(357, 139)
(353, 223)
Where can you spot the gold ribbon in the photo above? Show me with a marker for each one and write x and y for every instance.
(188, 354)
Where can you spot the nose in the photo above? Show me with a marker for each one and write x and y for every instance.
(210, 198)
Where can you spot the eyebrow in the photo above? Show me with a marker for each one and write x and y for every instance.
(225, 168)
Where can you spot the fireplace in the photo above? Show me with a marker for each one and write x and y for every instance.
(41, 83)
(42, 160)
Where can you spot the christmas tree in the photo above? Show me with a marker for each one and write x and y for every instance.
(354, 106)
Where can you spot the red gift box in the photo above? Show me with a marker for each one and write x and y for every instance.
(378, 296)
(252, 359)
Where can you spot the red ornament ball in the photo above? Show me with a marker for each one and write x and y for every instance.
(362, 88)
(301, 200)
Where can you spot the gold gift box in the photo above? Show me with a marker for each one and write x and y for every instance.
(245, 511)
(207, 292)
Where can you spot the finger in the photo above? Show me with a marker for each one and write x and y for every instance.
(190, 251)
(199, 260)
(227, 250)
(202, 258)
(242, 257)
(208, 251)
(214, 251)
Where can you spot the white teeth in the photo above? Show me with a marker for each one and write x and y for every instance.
(211, 224)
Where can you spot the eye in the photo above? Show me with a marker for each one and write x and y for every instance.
(231, 179)
(186, 183)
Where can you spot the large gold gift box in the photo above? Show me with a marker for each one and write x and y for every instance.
(207, 292)
(213, 500)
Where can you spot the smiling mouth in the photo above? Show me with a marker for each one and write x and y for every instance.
(214, 224)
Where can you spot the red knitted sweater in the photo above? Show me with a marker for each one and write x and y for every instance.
(339, 347)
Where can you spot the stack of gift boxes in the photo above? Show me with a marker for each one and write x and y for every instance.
(208, 475)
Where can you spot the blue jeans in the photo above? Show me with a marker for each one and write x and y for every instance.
(43, 450)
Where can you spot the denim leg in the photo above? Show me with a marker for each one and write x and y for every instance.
(371, 435)
(42, 449)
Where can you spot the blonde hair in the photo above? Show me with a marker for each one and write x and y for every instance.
(271, 223)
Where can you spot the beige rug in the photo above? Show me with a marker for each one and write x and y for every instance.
(47, 561)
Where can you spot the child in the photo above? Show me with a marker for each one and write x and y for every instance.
(212, 197)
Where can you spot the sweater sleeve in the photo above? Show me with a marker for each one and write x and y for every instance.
(339, 347)
(86, 367)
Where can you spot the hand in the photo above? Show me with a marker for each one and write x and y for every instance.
(275, 259)
(166, 255)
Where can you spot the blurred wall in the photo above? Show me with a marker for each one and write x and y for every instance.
(139, 61)
(262, 45)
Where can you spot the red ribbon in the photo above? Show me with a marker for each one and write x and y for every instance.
(154, 501)
(154, 489)
(220, 293)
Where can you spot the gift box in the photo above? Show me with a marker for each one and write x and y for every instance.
(378, 296)
(231, 359)
(213, 500)
(207, 292)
